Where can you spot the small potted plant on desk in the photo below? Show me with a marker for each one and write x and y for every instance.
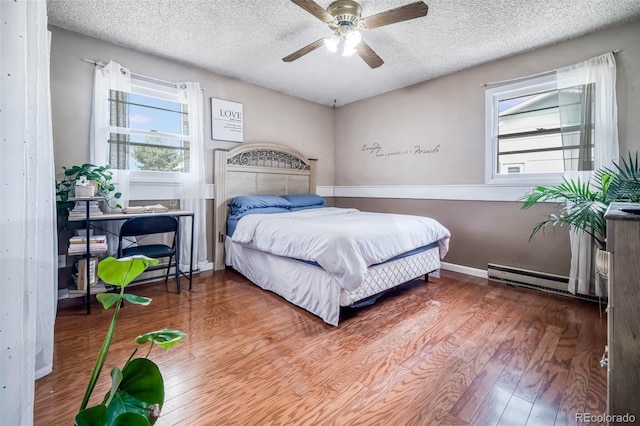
(94, 180)
(137, 390)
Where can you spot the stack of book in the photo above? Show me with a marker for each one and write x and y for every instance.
(78, 244)
(80, 209)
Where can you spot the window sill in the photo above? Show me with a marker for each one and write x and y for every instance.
(148, 190)
(528, 180)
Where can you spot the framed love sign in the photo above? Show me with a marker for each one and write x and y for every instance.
(226, 120)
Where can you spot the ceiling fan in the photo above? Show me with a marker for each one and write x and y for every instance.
(344, 19)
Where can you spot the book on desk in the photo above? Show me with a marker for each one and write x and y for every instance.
(153, 208)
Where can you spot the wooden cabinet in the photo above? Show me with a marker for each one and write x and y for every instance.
(623, 242)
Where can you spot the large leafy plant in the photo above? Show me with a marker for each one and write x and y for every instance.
(137, 390)
(582, 205)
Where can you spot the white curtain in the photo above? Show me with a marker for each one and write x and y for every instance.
(28, 238)
(601, 71)
(112, 76)
(192, 187)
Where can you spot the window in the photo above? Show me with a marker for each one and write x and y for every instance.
(536, 132)
(149, 129)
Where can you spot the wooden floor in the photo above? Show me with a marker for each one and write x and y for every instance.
(458, 350)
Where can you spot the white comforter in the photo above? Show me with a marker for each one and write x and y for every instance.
(344, 242)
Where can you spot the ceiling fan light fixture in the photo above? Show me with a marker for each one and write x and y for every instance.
(352, 38)
(347, 50)
(332, 43)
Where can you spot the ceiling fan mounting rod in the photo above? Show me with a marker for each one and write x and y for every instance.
(344, 12)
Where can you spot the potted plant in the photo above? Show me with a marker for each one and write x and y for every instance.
(583, 204)
(137, 390)
(99, 176)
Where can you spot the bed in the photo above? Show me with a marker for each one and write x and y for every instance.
(272, 228)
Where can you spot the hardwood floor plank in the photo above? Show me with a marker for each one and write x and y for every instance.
(546, 406)
(531, 381)
(496, 401)
(473, 397)
(516, 413)
(581, 376)
(451, 420)
(458, 350)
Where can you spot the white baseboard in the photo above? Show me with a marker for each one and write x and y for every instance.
(207, 267)
(482, 273)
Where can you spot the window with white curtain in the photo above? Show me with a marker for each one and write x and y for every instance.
(537, 132)
(151, 133)
(148, 129)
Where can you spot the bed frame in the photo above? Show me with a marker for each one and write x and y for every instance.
(256, 169)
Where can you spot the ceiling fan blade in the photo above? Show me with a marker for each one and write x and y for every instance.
(399, 14)
(315, 9)
(368, 55)
(301, 52)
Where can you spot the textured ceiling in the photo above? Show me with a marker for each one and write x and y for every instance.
(248, 39)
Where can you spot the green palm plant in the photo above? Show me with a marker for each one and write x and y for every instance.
(582, 205)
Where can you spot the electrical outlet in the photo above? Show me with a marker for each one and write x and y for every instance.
(62, 261)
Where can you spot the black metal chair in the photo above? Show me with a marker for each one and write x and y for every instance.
(148, 225)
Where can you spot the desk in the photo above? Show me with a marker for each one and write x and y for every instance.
(124, 216)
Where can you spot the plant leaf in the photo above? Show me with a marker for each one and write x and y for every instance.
(92, 416)
(122, 271)
(108, 299)
(136, 300)
(131, 419)
(140, 391)
(163, 338)
(116, 379)
(581, 207)
(142, 380)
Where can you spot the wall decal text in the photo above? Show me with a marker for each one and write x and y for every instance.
(377, 150)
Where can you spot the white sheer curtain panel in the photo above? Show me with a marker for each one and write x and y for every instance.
(28, 238)
(192, 187)
(112, 76)
(601, 71)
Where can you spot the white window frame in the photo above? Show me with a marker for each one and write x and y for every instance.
(156, 181)
(492, 98)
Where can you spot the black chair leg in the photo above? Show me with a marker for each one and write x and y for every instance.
(177, 275)
(166, 277)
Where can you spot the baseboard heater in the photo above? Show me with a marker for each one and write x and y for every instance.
(533, 279)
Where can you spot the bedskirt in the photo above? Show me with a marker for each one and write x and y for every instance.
(315, 290)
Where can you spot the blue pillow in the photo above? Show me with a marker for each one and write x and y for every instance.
(295, 209)
(246, 202)
(258, 210)
(305, 200)
(233, 218)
